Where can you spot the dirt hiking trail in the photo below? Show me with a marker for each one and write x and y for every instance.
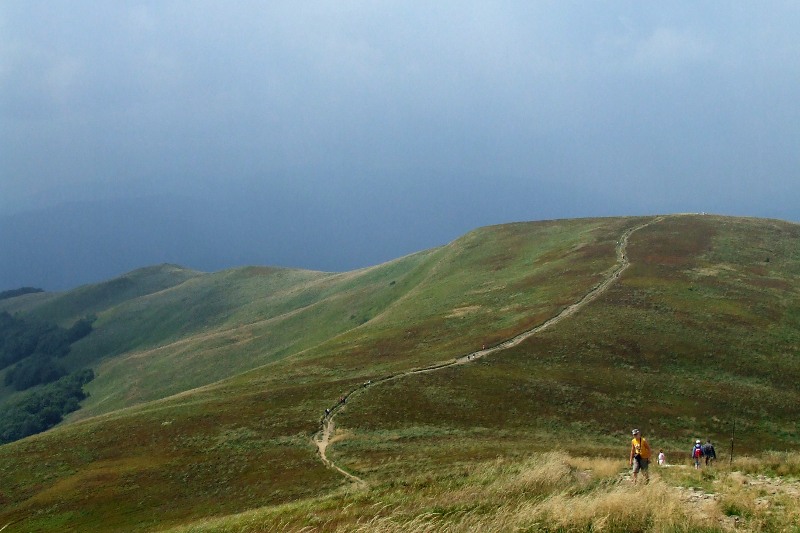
(322, 439)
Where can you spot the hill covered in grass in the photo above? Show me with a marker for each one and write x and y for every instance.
(210, 388)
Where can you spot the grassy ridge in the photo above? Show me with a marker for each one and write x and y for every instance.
(290, 343)
(219, 326)
(680, 347)
(485, 288)
(66, 308)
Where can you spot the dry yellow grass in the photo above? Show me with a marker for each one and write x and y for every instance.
(545, 492)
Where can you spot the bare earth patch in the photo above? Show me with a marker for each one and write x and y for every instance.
(463, 311)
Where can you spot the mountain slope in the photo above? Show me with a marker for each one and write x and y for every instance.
(67, 307)
(636, 355)
(226, 323)
(701, 331)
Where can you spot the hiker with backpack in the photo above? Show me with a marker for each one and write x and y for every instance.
(640, 455)
(709, 452)
(697, 453)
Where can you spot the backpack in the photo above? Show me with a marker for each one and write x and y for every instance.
(698, 451)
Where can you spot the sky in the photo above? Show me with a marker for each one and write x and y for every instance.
(334, 135)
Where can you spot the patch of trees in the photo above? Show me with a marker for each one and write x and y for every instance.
(4, 295)
(43, 408)
(30, 350)
(33, 371)
(34, 347)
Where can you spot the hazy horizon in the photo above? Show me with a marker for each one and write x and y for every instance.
(337, 135)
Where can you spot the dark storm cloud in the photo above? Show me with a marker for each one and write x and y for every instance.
(407, 121)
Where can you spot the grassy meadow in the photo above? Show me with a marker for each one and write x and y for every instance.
(210, 388)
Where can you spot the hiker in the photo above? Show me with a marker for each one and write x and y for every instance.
(640, 455)
(709, 452)
(697, 453)
(662, 459)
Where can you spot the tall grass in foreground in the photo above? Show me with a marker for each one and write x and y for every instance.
(548, 492)
(545, 492)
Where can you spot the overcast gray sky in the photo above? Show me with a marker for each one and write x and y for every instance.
(415, 120)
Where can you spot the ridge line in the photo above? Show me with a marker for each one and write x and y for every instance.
(321, 438)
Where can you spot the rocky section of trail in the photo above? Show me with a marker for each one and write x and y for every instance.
(764, 490)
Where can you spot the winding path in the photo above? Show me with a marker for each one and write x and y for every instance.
(322, 439)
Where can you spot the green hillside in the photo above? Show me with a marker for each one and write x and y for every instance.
(702, 330)
(210, 388)
(65, 308)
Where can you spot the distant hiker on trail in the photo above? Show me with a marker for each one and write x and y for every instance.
(709, 452)
(697, 453)
(640, 455)
(662, 459)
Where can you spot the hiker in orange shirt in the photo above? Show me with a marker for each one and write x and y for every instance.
(640, 455)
